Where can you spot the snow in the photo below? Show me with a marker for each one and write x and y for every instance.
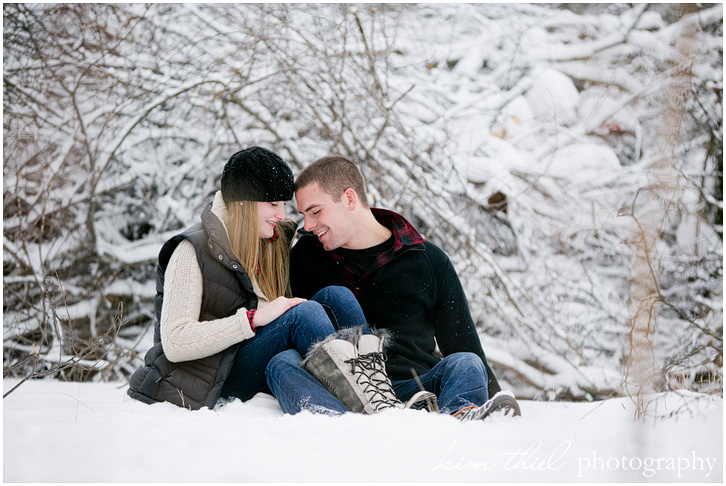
(583, 161)
(553, 96)
(134, 252)
(558, 111)
(93, 432)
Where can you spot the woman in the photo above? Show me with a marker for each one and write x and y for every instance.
(223, 303)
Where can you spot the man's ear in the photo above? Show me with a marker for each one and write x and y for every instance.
(350, 198)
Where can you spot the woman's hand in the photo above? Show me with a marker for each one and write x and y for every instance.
(275, 309)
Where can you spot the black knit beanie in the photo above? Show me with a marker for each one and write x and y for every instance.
(256, 174)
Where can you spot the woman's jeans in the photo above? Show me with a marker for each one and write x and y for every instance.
(295, 388)
(296, 330)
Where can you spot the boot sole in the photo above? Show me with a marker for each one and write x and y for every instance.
(502, 403)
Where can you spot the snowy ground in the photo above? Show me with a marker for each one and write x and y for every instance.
(86, 432)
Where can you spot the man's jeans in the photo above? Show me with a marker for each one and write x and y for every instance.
(297, 330)
(458, 380)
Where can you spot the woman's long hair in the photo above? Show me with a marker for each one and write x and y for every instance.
(263, 260)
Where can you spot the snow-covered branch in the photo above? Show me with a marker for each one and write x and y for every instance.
(521, 138)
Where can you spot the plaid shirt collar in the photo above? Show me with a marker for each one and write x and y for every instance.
(404, 235)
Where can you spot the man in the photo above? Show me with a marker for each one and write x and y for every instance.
(405, 284)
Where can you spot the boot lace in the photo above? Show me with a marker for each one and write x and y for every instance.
(369, 372)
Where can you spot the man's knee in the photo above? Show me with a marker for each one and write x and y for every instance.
(466, 363)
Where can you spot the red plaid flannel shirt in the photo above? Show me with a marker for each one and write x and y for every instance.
(404, 234)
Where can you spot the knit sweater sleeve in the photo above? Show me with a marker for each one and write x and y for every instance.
(183, 336)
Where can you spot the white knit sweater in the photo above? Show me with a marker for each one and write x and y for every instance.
(183, 336)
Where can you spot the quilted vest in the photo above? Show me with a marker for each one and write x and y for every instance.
(226, 288)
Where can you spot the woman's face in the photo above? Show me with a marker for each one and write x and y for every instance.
(268, 215)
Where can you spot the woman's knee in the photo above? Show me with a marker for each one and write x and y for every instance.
(334, 293)
(312, 319)
(309, 311)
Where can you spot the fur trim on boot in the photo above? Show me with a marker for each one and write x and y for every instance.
(350, 334)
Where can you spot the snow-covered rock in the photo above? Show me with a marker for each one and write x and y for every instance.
(583, 162)
(553, 97)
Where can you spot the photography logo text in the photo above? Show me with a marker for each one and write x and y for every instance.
(648, 466)
(531, 458)
(562, 458)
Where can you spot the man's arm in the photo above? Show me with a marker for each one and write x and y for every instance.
(455, 328)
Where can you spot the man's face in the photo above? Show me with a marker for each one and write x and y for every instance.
(330, 220)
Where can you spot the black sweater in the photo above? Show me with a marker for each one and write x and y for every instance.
(412, 291)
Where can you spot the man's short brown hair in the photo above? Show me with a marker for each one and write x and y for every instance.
(334, 174)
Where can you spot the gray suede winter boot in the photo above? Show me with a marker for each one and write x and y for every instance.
(375, 382)
(351, 366)
(331, 362)
(373, 359)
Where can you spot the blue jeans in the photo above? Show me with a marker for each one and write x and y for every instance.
(297, 329)
(294, 388)
(458, 380)
(342, 308)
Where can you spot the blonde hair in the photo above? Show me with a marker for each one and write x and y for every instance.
(263, 260)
